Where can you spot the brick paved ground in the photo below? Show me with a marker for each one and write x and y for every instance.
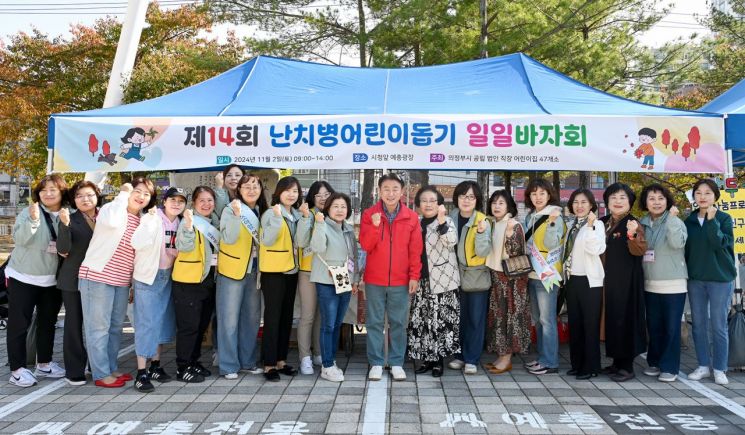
(511, 403)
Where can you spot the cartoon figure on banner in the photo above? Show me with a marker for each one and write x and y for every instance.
(134, 141)
(647, 138)
(106, 155)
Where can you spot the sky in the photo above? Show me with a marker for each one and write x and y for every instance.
(54, 17)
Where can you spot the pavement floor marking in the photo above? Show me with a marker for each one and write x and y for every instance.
(715, 397)
(376, 402)
(41, 392)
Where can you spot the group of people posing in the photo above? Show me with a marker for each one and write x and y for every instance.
(446, 283)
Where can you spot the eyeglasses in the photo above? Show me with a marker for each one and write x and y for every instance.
(321, 195)
(431, 201)
(89, 196)
(467, 197)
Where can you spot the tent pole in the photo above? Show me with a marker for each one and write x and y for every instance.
(50, 155)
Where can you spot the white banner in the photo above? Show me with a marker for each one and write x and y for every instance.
(492, 142)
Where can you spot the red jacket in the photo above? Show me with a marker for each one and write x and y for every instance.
(394, 252)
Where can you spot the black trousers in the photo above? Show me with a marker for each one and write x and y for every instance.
(584, 305)
(75, 355)
(194, 304)
(279, 300)
(22, 299)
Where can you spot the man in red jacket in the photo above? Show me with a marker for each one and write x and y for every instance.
(392, 237)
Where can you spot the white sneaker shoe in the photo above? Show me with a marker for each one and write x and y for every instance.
(22, 378)
(306, 366)
(332, 374)
(470, 369)
(317, 360)
(455, 364)
(52, 370)
(720, 378)
(667, 377)
(699, 373)
(231, 376)
(340, 371)
(376, 373)
(398, 373)
(652, 371)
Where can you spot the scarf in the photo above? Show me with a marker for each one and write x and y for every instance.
(497, 254)
(571, 237)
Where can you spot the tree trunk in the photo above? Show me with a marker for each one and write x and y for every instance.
(508, 181)
(584, 179)
(483, 182)
(556, 182)
(367, 199)
(424, 177)
(484, 39)
(532, 175)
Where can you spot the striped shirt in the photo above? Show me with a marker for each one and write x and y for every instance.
(118, 270)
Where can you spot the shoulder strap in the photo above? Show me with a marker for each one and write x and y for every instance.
(50, 225)
(541, 220)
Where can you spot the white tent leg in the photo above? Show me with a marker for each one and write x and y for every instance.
(50, 158)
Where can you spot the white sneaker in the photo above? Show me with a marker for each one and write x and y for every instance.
(331, 374)
(470, 369)
(652, 371)
(720, 377)
(667, 377)
(22, 378)
(699, 373)
(253, 370)
(340, 371)
(52, 370)
(376, 373)
(317, 360)
(231, 376)
(398, 373)
(306, 366)
(455, 364)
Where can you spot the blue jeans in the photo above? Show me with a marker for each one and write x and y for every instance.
(473, 309)
(664, 313)
(543, 307)
(395, 302)
(155, 317)
(710, 302)
(238, 312)
(648, 160)
(104, 308)
(333, 307)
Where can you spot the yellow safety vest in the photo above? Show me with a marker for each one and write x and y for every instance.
(470, 244)
(306, 260)
(538, 234)
(233, 259)
(279, 257)
(189, 266)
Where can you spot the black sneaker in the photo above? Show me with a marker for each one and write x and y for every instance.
(199, 368)
(143, 384)
(157, 373)
(189, 374)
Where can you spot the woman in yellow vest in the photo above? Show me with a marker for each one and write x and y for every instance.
(278, 263)
(238, 301)
(193, 289)
(309, 327)
(544, 239)
(474, 244)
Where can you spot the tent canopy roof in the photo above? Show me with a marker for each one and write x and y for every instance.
(510, 85)
(732, 104)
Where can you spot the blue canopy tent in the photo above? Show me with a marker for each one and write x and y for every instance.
(732, 104)
(276, 95)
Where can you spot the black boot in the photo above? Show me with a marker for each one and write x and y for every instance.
(423, 368)
(437, 369)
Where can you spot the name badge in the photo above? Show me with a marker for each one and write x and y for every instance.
(52, 247)
(213, 262)
(649, 256)
(350, 265)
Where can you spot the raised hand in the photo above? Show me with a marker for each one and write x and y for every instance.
(375, 219)
(277, 210)
(320, 217)
(674, 211)
(126, 187)
(235, 205)
(554, 215)
(33, 211)
(64, 216)
(219, 180)
(632, 226)
(152, 211)
(591, 218)
(710, 212)
(511, 224)
(304, 209)
(188, 219)
(482, 226)
(442, 213)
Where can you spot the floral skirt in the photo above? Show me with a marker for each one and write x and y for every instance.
(434, 324)
(508, 327)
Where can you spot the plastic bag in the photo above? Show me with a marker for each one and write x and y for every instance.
(736, 327)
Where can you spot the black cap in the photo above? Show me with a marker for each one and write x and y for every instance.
(175, 191)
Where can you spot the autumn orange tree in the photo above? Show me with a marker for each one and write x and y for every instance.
(40, 75)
